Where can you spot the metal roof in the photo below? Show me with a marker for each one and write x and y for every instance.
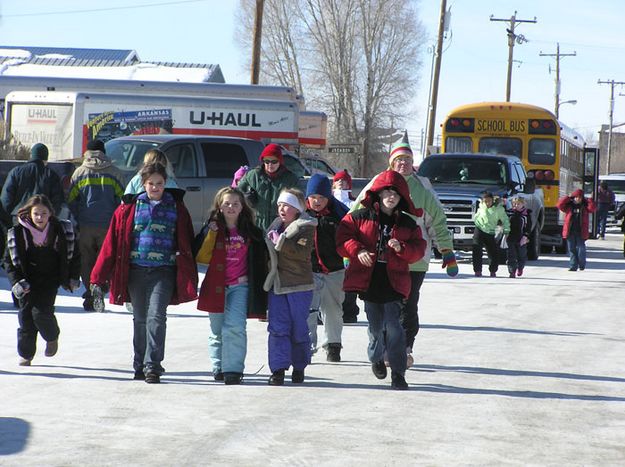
(69, 56)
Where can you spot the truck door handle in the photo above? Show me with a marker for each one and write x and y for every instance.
(193, 188)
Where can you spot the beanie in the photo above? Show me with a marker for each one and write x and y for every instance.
(343, 175)
(272, 150)
(319, 185)
(96, 145)
(577, 192)
(401, 148)
(39, 152)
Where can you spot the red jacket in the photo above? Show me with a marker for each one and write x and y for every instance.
(359, 230)
(565, 204)
(113, 261)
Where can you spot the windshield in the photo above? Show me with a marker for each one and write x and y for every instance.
(446, 169)
(128, 155)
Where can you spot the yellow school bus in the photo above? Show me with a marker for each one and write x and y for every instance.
(551, 152)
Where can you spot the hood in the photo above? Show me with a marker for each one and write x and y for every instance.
(96, 160)
(390, 178)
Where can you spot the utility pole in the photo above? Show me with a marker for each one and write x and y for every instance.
(258, 36)
(437, 73)
(612, 83)
(557, 55)
(512, 37)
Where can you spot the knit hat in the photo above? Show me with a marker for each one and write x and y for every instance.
(577, 192)
(343, 175)
(401, 148)
(319, 185)
(39, 152)
(96, 145)
(272, 150)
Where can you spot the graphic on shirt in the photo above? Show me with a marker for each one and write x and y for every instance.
(382, 247)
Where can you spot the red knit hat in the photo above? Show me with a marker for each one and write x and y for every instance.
(343, 175)
(272, 150)
(577, 192)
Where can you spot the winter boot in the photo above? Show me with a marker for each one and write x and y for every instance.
(277, 378)
(334, 352)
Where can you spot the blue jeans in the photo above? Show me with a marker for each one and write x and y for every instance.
(227, 340)
(150, 292)
(602, 218)
(577, 250)
(386, 333)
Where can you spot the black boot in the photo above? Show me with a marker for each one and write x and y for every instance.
(398, 381)
(334, 352)
(297, 376)
(277, 378)
(232, 378)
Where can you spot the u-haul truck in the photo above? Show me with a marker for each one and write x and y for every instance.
(67, 121)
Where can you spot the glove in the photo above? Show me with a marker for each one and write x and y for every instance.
(273, 235)
(74, 284)
(449, 262)
(20, 288)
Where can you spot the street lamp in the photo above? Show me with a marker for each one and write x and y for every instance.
(572, 102)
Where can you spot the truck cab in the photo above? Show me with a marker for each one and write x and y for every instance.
(460, 178)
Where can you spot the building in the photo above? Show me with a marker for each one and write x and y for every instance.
(617, 153)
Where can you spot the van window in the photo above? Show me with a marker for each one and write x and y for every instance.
(223, 159)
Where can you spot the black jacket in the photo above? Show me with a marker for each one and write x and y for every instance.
(324, 256)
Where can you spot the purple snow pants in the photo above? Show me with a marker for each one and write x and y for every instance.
(289, 342)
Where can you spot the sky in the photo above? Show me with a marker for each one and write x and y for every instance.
(474, 61)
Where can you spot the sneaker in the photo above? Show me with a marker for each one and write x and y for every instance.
(24, 362)
(233, 378)
(582, 268)
(572, 269)
(152, 378)
(398, 382)
(128, 306)
(334, 353)
(519, 272)
(51, 348)
(493, 274)
(277, 378)
(512, 275)
(379, 369)
(297, 376)
(98, 298)
(409, 358)
(139, 375)
(478, 273)
(87, 304)
(219, 376)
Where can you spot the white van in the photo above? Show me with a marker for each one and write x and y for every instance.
(616, 183)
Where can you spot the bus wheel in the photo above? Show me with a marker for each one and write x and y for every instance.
(533, 247)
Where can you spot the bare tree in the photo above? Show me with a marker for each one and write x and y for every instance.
(357, 60)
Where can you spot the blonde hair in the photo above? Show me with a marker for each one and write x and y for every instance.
(518, 200)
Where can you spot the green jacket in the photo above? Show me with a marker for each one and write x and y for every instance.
(262, 193)
(433, 224)
(486, 219)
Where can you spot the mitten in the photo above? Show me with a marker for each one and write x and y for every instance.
(20, 288)
(273, 235)
(74, 284)
(449, 262)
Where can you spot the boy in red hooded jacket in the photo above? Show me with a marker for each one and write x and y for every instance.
(575, 228)
(380, 241)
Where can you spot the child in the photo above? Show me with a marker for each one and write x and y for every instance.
(290, 284)
(327, 264)
(380, 241)
(42, 253)
(575, 229)
(518, 237)
(232, 290)
(489, 214)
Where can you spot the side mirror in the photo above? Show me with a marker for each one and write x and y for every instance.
(530, 186)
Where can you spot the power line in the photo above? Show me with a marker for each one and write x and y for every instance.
(95, 10)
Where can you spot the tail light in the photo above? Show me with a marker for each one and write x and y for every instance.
(540, 175)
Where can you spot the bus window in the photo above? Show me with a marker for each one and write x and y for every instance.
(508, 146)
(458, 144)
(541, 151)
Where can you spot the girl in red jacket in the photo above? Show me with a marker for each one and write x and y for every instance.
(146, 259)
(232, 291)
(380, 241)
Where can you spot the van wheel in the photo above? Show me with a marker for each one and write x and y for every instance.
(533, 247)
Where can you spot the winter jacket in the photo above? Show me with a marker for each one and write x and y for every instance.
(433, 223)
(486, 219)
(566, 205)
(96, 190)
(28, 179)
(212, 292)
(519, 225)
(290, 269)
(262, 192)
(325, 258)
(606, 198)
(64, 241)
(113, 262)
(359, 230)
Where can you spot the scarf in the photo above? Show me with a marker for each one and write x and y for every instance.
(39, 236)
